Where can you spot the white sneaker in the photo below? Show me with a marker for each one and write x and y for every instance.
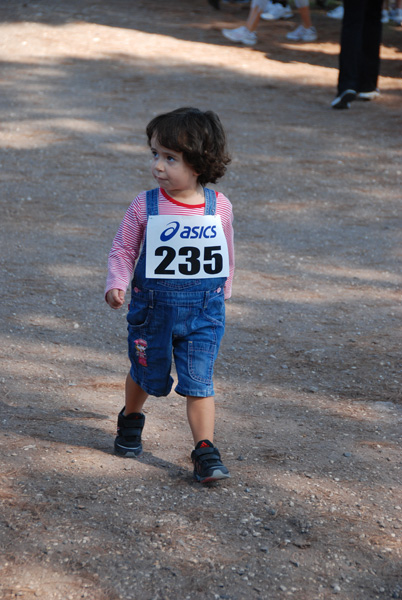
(241, 34)
(397, 16)
(384, 16)
(336, 13)
(302, 34)
(277, 11)
(368, 95)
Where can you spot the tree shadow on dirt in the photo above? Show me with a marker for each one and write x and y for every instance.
(201, 24)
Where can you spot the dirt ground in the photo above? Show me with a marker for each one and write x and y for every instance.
(309, 379)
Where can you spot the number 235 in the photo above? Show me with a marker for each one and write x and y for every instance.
(212, 260)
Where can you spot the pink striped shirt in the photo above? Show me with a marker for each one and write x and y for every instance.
(130, 235)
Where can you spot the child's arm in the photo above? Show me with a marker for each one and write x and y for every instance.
(124, 252)
(115, 298)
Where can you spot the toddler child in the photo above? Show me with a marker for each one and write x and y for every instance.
(179, 238)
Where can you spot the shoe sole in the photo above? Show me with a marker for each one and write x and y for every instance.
(127, 452)
(301, 39)
(216, 476)
(225, 35)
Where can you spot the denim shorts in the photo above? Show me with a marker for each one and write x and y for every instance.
(187, 325)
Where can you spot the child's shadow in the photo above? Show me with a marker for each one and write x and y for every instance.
(174, 471)
(180, 474)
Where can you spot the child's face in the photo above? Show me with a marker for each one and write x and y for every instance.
(171, 172)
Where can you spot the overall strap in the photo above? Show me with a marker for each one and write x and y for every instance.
(210, 202)
(152, 201)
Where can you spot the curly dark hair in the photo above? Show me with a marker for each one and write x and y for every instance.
(198, 135)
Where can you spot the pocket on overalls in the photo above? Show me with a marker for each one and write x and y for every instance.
(139, 313)
(201, 358)
(215, 311)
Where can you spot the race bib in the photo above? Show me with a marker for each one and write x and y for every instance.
(180, 247)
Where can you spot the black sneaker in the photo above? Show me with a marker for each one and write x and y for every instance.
(129, 429)
(207, 463)
(344, 99)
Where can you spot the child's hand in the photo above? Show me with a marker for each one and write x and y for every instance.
(115, 298)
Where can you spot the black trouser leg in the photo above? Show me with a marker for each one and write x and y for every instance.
(370, 55)
(360, 43)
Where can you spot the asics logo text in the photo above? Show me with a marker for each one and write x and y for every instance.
(188, 233)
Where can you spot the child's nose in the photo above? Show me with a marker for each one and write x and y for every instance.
(159, 164)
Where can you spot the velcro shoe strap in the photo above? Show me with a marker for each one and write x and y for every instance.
(208, 450)
(127, 431)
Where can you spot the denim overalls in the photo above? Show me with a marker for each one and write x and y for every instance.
(183, 315)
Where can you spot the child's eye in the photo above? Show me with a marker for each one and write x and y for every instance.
(154, 153)
(171, 158)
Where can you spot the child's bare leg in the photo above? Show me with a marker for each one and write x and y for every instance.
(253, 18)
(135, 397)
(201, 417)
(305, 16)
